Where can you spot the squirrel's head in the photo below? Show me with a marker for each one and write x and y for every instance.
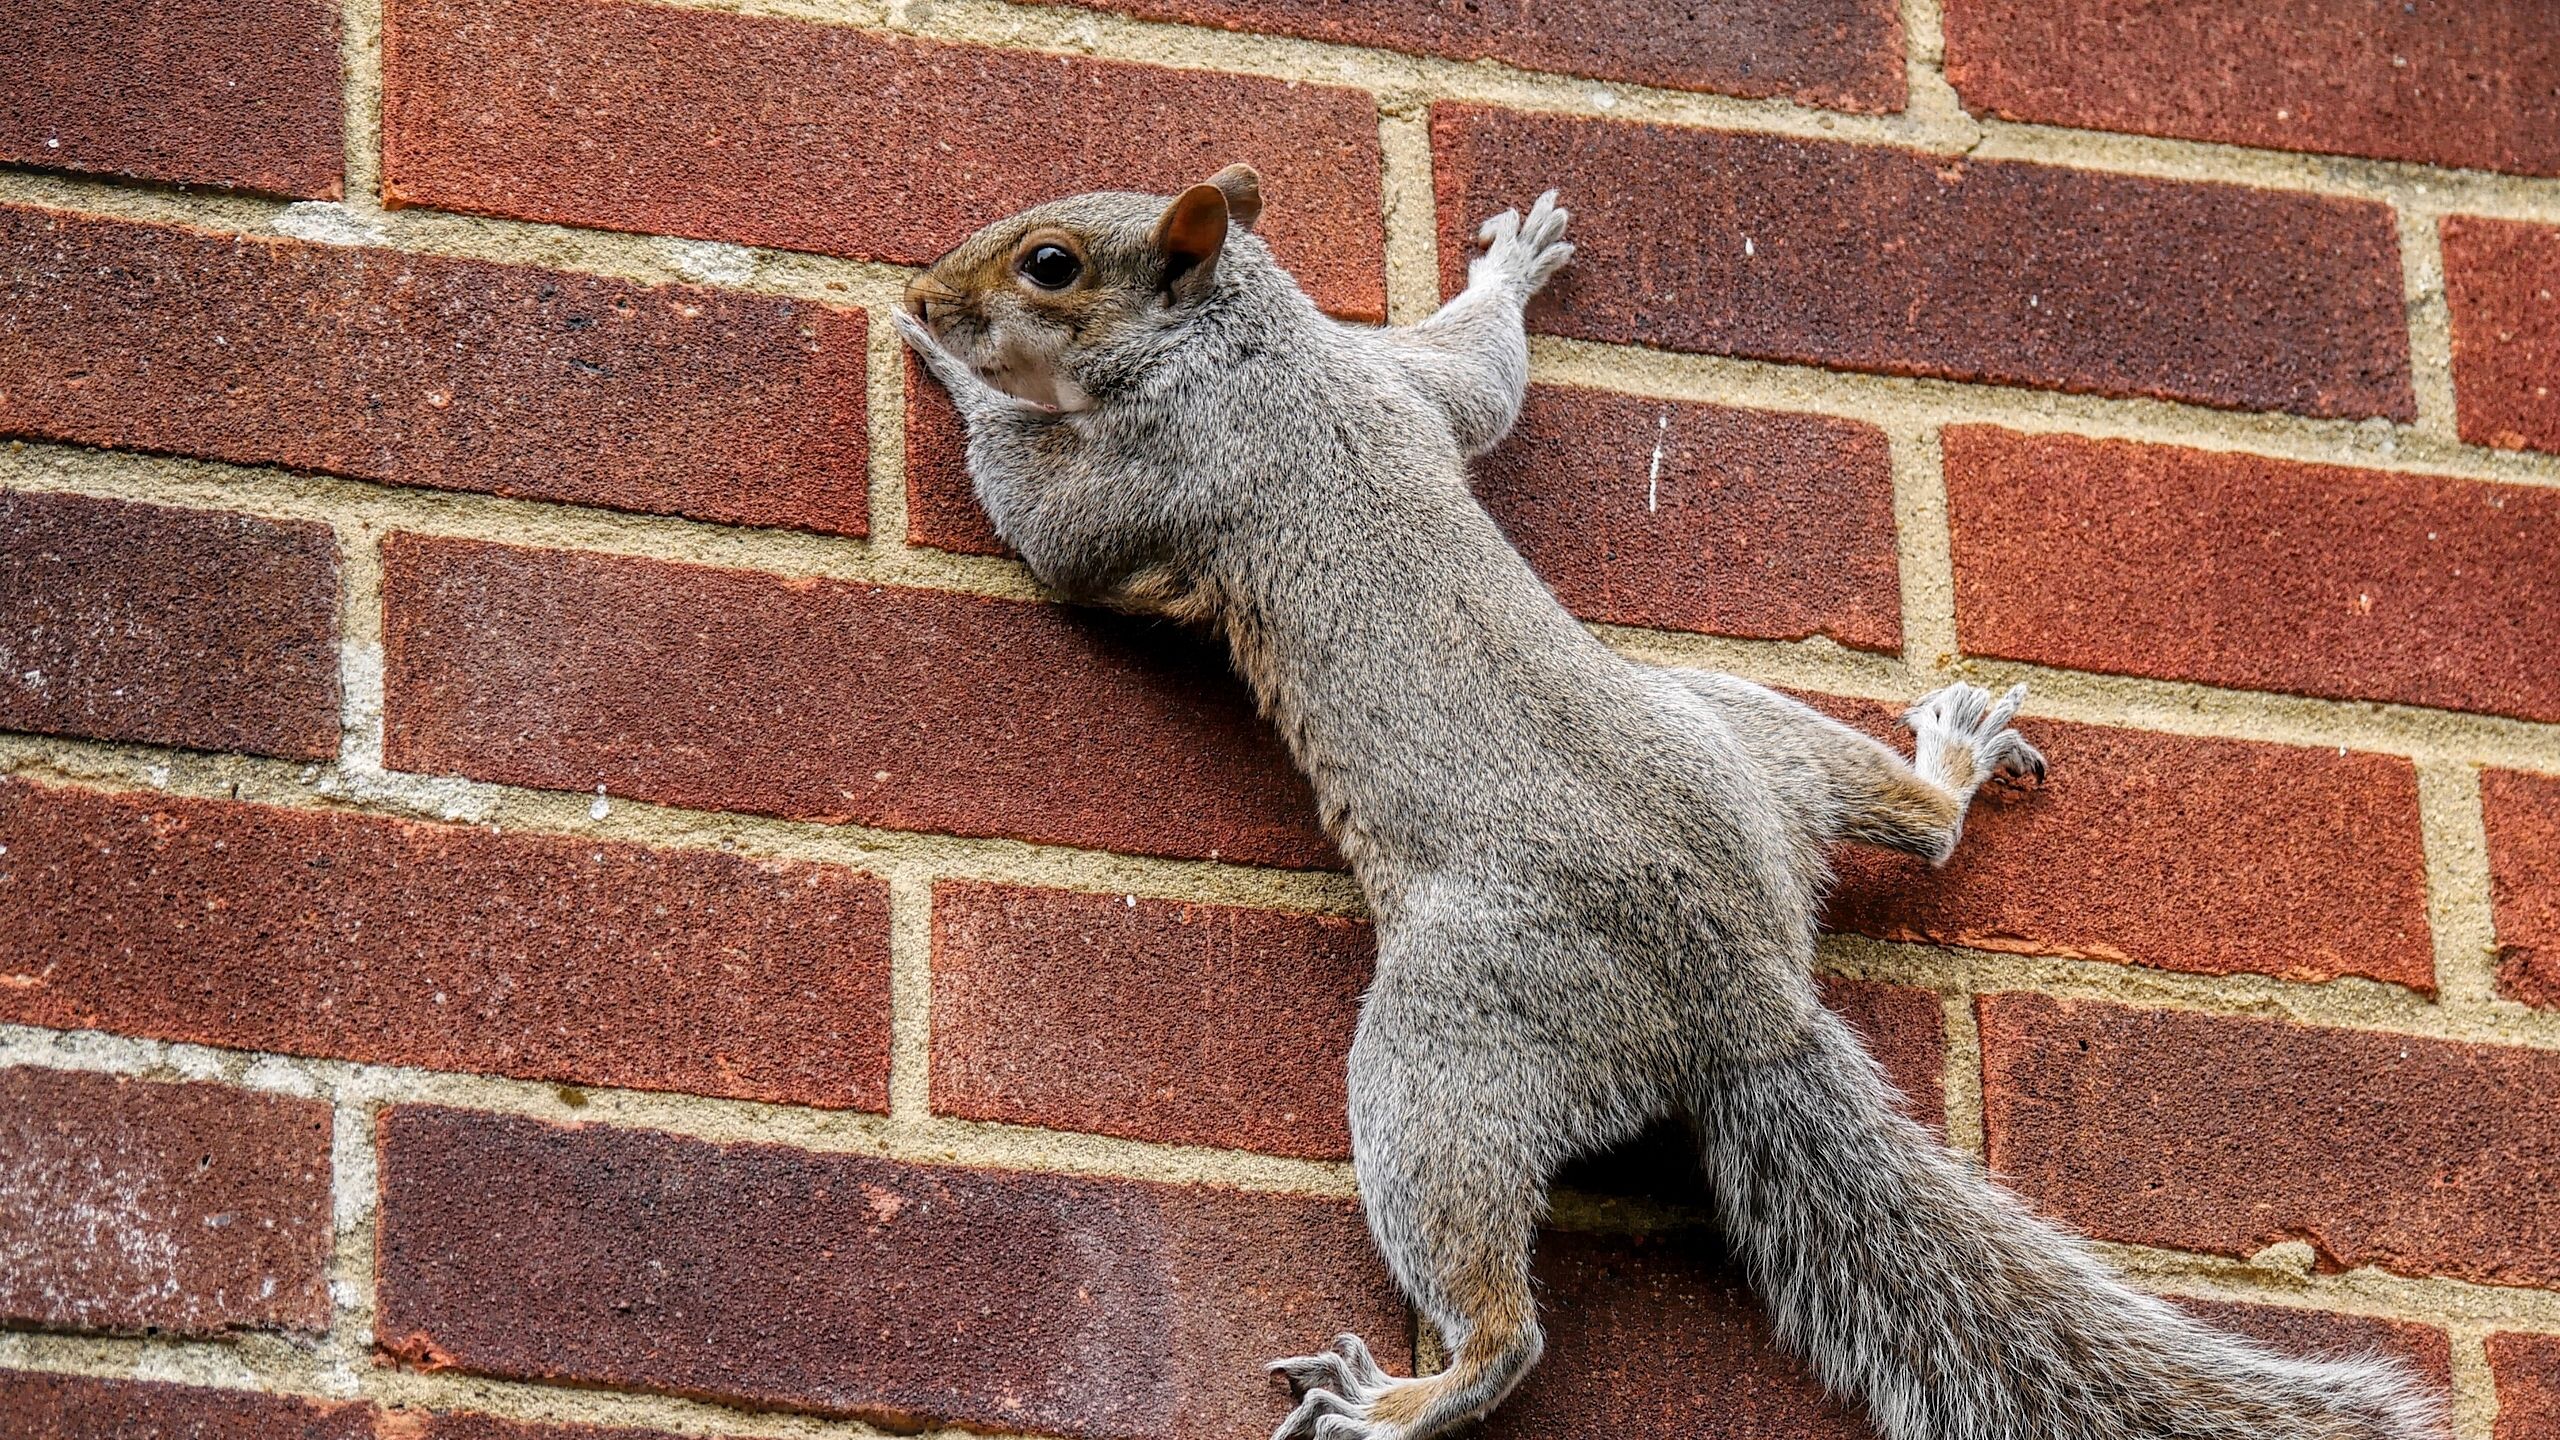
(1037, 303)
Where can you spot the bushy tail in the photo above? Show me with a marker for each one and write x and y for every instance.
(1915, 1288)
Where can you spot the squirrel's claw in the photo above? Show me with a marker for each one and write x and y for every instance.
(1524, 253)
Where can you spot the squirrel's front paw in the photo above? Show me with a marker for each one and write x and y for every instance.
(1522, 255)
(1965, 739)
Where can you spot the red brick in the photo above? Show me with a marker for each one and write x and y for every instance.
(247, 97)
(674, 121)
(1846, 54)
(2324, 1334)
(200, 628)
(175, 1209)
(1700, 517)
(942, 502)
(442, 946)
(2523, 816)
(2528, 1373)
(1861, 257)
(912, 709)
(1153, 1020)
(2226, 1135)
(2209, 856)
(2502, 283)
(36, 1406)
(415, 370)
(2265, 574)
(2475, 85)
(847, 1285)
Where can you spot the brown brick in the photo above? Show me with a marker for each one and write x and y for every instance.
(2474, 85)
(2210, 856)
(666, 121)
(1861, 257)
(415, 370)
(2241, 570)
(2325, 1334)
(442, 946)
(1845, 54)
(2528, 1374)
(913, 709)
(942, 503)
(2226, 1135)
(176, 1209)
(205, 92)
(842, 1284)
(36, 1406)
(1149, 1019)
(1700, 517)
(200, 628)
(2502, 283)
(2523, 816)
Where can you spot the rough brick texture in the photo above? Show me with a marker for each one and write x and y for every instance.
(2209, 856)
(127, 1205)
(1845, 54)
(2473, 84)
(2227, 1135)
(69, 1407)
(2523, 818)
(2502, 284)
(1866, 258)
(825, 701)
(654, 118)
(2324, 1334)
(202, 92)
(942, 505)
(842, 1284)
(443, 946)
(174, 627)
(2528, 1377)
(2234, 569)
(415, 370)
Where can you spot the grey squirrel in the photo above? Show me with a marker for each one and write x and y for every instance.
(1595, 880)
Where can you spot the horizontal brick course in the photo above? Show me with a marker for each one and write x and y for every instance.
(2209, 856)
(419, 370)
(128, 1205)
(821, 700)
(2502, 285)
(842, 1284)
(447, 947)
(2474, 85)
(206, 92)
(2527, 1368)
(1846, 54)
(2324, 1334)
(2226, 1135)
(669, 121)
(1861, 257)
(36, 1406)
(2234, 569)
(2522, 813)
(201, 628)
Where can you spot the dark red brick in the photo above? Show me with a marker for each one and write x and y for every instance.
(820, 700)
(2325, 1334)
(1861, 257)
(847, 1285)
(36, 1406)
(442, 946)
(175, 1209)
(2226, 1135)
(1154, 1020)
(416, 370)
(2474, 84)
(1906, 1030)
(2523, 816)
(2240, 570)
(1845, 54)
(200, 628)
(2528, 1374)
(942, 503)
(2502, 283)
(1700, 517)
(674, 121)
(2210, 856)
(207, 92)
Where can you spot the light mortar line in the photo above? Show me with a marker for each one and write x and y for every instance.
(1934, 104)
(2458, 906)
(2430, 1300)
(885, 415)
(1926, 552)
(267, 1363)
(1412, 217)
(355, 1215)
(360, 49)
(2430, 325)
(911, 997)
(1963, 1074)
(534, 1403)
(2475, 1384)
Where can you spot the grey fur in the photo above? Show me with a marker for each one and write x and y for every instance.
(1595, 881)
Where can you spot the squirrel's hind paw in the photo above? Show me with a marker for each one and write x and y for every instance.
(1338, 1388)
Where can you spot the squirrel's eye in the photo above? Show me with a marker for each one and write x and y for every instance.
(1051, 267)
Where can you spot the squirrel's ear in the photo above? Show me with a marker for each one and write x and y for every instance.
(1242, 185)
(1189, 235)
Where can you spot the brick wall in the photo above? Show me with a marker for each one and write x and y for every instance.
(556, 881)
